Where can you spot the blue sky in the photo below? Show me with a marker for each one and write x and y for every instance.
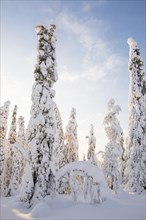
(92, 56)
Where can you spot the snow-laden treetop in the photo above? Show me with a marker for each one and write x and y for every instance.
(45, 69)
(131, 42)
(134, 52)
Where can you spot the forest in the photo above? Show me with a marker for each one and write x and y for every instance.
(42, 159)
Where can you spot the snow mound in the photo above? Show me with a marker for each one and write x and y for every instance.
(41, 210)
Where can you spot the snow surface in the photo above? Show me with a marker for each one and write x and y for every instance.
(120, 206)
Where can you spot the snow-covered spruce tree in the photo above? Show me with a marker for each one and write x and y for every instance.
(21, 141)
(9, 152)
(92, 145)
(12, 132)
(4, 112)
(71, 149)
(59, 147)
(18, 162)
(71, 139)
(41, 127)
(135, 171)
(113, 149)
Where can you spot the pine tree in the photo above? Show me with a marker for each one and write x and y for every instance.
(113, 149)
(71, 139)
(4, 112)
(135, 171)
(92, 145)
(59, 148)
(41, 127)
(9, 152)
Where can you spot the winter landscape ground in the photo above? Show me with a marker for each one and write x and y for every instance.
(119, 207)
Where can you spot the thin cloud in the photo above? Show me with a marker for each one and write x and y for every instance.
(88, 6)
(99, 60)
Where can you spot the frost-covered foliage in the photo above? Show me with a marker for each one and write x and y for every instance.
(91, 156)
(27, 184)
(71, 139)
(59, 148)
(4, 112)
(41, 127)
(21, 141)
(15, 176)
(9, 152)
(135, 171)
(113, 150)
(18, 161)
(21, 137)
(94, 185)
(12, 131)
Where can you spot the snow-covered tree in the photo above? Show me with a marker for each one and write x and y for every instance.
(41, 127)
(27, 184)
(21, 141)
(16, 172)
(59, 148)
(4, 112)
(91, 156)
(12, 132)
(18, 162)
(9, 152)
(71, 150)
(135, 155)
(113, 149)
(21, 136)
(71, 139)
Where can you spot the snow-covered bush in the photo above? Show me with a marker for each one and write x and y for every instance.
(113, 150)
(94, 186)
(4, 112)
(135, 155)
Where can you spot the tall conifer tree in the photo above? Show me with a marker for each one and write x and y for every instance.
(41, 128)
(113, 149)
(135, 171)
(4, 112)
(9, 153)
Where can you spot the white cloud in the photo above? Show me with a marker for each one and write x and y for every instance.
(65, 75)
(87, 31)
(98, 60)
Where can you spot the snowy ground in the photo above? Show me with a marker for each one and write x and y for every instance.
(121, 206)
